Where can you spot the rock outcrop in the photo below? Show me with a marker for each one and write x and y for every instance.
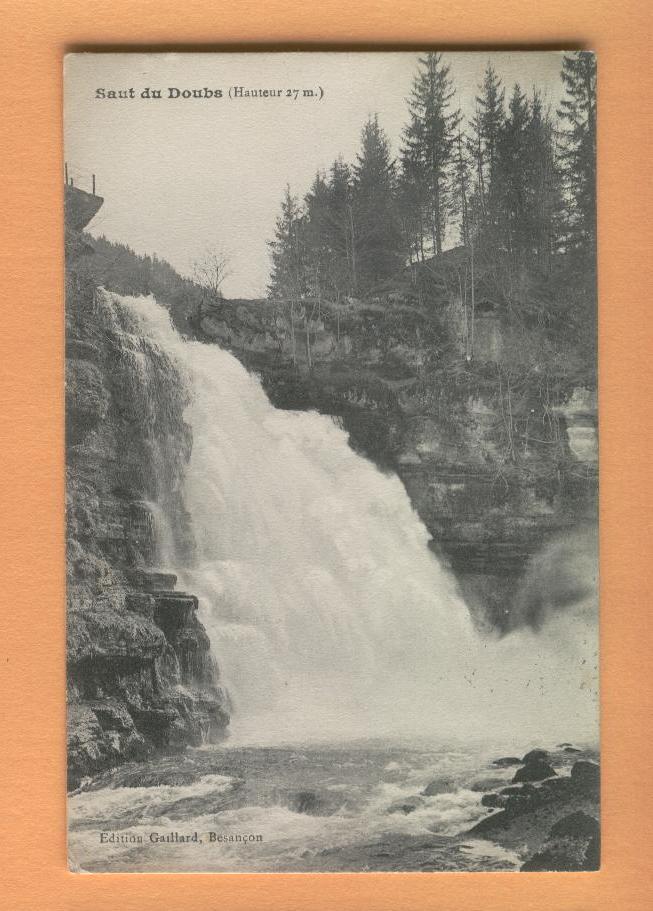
(553, 821)
(534, 770)
(141, 677)
(574, 843)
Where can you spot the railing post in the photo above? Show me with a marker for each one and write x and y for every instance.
(94, 185)
(66, 171)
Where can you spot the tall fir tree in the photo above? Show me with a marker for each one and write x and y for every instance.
(487, 127)
(429, 141)
(287, 250)
(544, 197)
(578, 147)
(512, 176)
(341, 228)
(288, 281)
(317, 239)
(412, 207)
(462, 192)
(377, 238)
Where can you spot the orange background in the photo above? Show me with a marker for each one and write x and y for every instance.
(32, 742)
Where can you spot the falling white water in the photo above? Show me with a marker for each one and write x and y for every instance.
(329, 616)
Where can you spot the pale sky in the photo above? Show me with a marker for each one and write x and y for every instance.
(182, 176)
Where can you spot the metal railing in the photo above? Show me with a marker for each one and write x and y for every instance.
(80, 178)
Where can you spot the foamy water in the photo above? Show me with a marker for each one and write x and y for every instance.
(362, 817)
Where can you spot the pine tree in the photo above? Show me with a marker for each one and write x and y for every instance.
(410, 211)
(578, 146)
(487, 126)
(377, 237)
(341, 227)
(318, 252)
(492, 115)
(512, 175)
(544, 196)
(429, 141)
(288, 279)
(412, 199)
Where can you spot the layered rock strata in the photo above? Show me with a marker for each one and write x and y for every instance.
(141, 676)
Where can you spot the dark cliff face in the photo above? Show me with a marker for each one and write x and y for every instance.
(497, 452)
(141, 677)
(80, 207)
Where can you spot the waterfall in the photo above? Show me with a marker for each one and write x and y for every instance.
(328, 614)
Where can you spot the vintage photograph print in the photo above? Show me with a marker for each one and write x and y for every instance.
(331, 441)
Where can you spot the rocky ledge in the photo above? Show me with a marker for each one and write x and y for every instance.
(549, 813)
(141, 679)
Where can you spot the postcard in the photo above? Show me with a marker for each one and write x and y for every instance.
(332, 461)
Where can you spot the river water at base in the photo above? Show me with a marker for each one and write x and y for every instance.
(296, 809)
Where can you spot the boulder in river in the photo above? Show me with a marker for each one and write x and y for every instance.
(308, 802)
(573, 843)
(535, 770)
(407, 805)
(486, 784)
(439, 786)
(586, 775)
